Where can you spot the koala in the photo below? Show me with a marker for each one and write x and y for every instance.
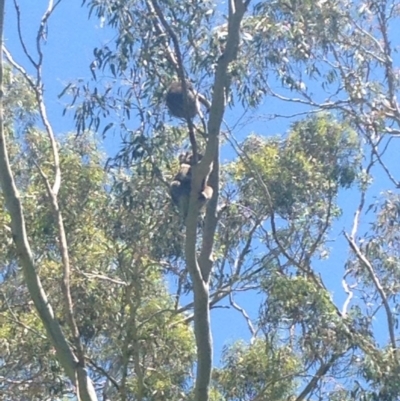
(181, 186)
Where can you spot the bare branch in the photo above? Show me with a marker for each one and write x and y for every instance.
(349, 293)
(40, 34)
(38, 91)
(360, 207)
(104, 372)
(74, 367)
(14, 206)
(66, 270)
(180, 71)
(244, 313)
(390, 74)
(21, 70)
(361, 257)
(52, 192)
(105, 278)
(321, 372)
(18, 321)
(375, 151)
(21, 39)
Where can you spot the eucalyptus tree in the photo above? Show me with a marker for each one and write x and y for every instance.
(280, 206)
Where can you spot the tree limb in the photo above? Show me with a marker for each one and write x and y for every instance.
(361, 257)
(73, 366)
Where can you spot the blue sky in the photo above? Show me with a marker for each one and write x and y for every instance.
(68, 54)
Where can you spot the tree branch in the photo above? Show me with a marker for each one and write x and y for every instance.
(180, 71)
(378, 286)
(74, 367)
